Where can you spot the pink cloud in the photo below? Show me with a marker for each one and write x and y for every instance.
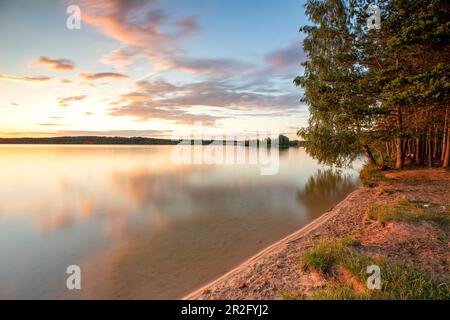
(55, 64)
(23, 79)
(136, 23)
(101, 75)
(64, 102)
(142, 27)
(119, 59)
(291, 56)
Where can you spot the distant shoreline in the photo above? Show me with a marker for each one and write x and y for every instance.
(105, 140)
(90, 140)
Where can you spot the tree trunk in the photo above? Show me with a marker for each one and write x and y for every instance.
(399, 142)
(447, 150)
(418, 151)
(368, 153)
(430, 153)
(444, 138)
(435, 146)
(422, 147)
(399, 149)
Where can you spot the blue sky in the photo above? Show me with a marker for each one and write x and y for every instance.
(150, 67)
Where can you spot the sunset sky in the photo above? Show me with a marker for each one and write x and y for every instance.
(150, 68)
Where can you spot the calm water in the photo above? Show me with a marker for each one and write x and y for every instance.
(140, 226)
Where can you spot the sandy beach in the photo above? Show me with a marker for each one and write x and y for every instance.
(276, 271)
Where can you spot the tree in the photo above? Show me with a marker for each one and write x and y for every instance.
(340, 113)
(377, 89)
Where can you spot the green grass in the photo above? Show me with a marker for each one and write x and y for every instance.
(370, 174)
(293, 296)
(398, 282)
(338, 291)
(409, 211)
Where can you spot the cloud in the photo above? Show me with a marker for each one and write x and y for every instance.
(145, 112)
(162, 100)
(142, 26)
(289, 57)
(216, 66)
(101, 75)
(23, 79)
(49, 124)
(119, 59)
(188, 26)
(160, 87)
(55, 64)
(86, 84)
(114, 133)
(133, 22)
(64, 102)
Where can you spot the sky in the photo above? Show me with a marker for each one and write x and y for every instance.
(150, 68)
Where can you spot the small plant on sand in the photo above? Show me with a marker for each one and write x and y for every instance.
(399, 282)
(410, 211)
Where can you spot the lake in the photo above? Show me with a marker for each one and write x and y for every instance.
(140, 226)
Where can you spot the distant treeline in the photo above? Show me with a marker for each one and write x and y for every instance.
(88, 140)
(96, 140)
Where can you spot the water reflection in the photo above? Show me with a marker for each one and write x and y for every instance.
(139, 226)
(331, 184)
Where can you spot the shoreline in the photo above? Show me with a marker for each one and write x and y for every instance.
(275, 270)
(296, 235)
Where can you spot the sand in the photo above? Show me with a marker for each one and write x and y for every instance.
(277, 269)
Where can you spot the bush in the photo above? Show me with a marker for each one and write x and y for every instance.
(369, 174)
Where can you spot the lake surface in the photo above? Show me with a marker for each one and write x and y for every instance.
(141, 227)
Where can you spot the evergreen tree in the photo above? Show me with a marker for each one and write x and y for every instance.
(370, 88)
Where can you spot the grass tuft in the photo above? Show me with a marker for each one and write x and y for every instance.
(409, 211)
(370, 174)
(293, 296)
(338, 291)
(398, 282)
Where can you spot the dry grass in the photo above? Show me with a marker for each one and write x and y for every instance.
(410, 211)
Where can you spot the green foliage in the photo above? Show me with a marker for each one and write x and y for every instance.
(338, 291)
(283, 141)
(409, 211)
(369, 174)
(329, 146)
(368, 87)
(322, 257)
(399, 282)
